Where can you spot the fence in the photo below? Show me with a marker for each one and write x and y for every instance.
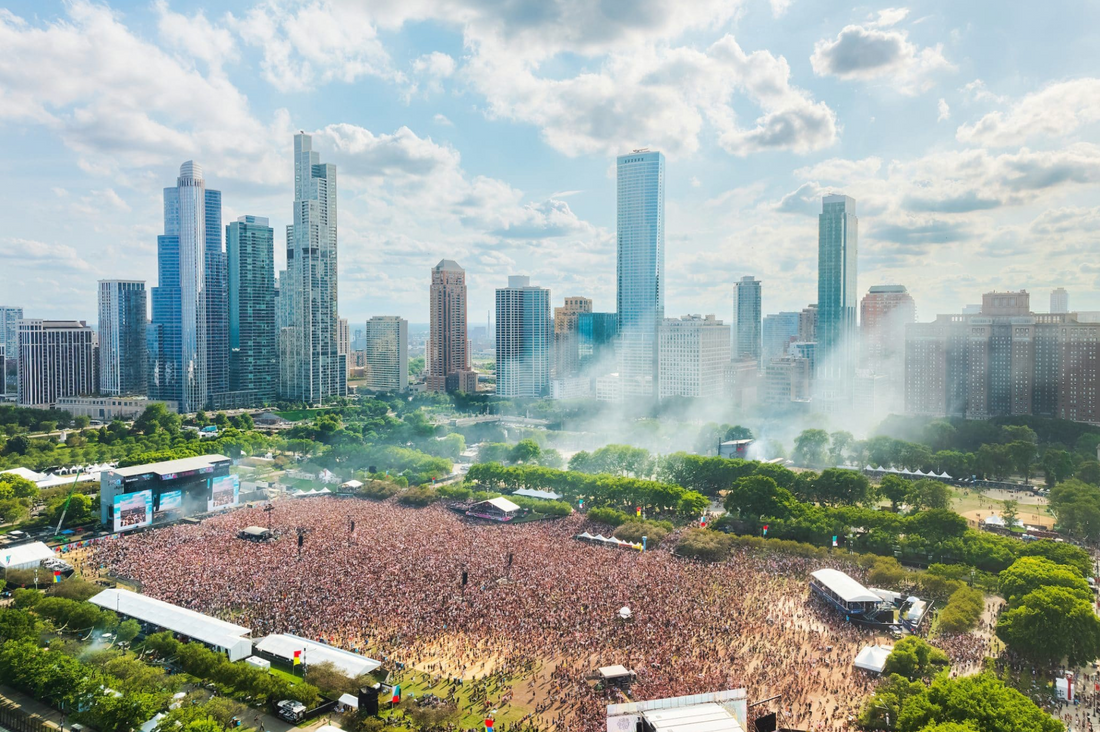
(15, 719)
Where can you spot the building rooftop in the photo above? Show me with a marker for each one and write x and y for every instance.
(844, 586)
(171, 617)
(448, 265)
(182, 465)
(283, 645)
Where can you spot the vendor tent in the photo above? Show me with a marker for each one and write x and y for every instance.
(24, 556)
(873, 658)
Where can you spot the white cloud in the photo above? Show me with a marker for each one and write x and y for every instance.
(195, 36)
(888, 17)
(441, 119)
(779, 7)
(1058, 110)
(439, 65)
(37, 254)
(943, 110)
(869, 53)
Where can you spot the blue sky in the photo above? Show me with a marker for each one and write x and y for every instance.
(485, 131)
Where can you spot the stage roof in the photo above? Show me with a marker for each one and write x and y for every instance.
(25, 555)
(544, 495)
(844, 586)
(283, 645)
(708, 717)
(168, 467)
(502, 504)
(615, 672)
(873, 658)
(171, 617)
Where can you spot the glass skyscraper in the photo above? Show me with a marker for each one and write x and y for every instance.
(640, 281)
(253, 339)
(217, 305)
(122, 326)
(837, 299)
(315, 370)
(746, 320)
(596, 334)
(177, 337)
(525, 336)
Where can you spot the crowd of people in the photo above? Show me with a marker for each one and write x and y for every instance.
(387, 581)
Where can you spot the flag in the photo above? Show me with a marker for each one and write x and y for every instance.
(396, 695)
(297, 657)
(702, 522)
(834, 541)
(638, 510)
(488, 723)
(765, 529)
(56, 576)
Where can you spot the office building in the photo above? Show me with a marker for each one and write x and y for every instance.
(217, 302)
(836, 295)
(123, 358)
(343, 339)
(447, 358)
(386, 353)
(884, 312)
(807, 324)
(567, 356)
(524, 336)
(253, 336)
(597, 334)
(9, 338)
(314, 370)
(178, 344)
(788, 381)
(778, 331)
(1059, 300)
(746, 320)
(55, 360)
(1004, 361)
(107, 408)
(640, 280)
(694, 352)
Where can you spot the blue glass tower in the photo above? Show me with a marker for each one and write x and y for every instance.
(177, 336)
(217, 306)
(253, 339)
(525, 333)
(640, 297)
(838, 230)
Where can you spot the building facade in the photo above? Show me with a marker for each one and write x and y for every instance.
(694, 353)
(747, 320)
(597, 334)
(640, 268)
(567, 356)
(217, 300)
(1006, 360)
(177, 336)
(123, 355)
(885, 311)
(9, 337)
(838, 230)
(107, 408)
(1059, 300)
(386, 353)
(55, 360)
(253, 337)
(315, 370)
(447, 358)
(778, 331)
(524, 336)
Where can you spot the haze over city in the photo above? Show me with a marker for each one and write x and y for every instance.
(489, 137)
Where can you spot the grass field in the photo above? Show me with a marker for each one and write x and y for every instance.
(473, 715)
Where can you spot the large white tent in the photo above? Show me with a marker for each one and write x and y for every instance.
(283, 646)
(873, 658)
(24, 556)
(221, 635)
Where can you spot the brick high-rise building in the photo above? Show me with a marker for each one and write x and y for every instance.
(448, 353)
(884, 312)
(567, 356)
(1005, 360)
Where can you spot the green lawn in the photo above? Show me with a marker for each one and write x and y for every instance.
(472, 715)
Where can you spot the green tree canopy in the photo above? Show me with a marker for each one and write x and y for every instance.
(1050, 624)
(915, 658)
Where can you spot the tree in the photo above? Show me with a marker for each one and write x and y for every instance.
(896, 490)
(928, 494)
(1050, 624)
(809, 448)
(838, 443)
(1076, 505)
(1088, 472)
(525, 451)
(1010, 512)
(1019, 433)
(837, 487)
(127, 631)
(885, 572)
(757, 496)
(980, 702)
(1028, 574)
(915, 658)
(124, 713)
(938, 525)
(18, 445)
(1057, 466)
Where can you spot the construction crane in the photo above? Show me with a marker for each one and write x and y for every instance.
(66, 509)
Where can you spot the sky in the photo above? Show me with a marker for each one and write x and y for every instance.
(485, 131)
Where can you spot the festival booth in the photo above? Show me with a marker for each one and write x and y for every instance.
(873, 658)
(286, 648)
(607, 541)
(844, 593)
(311, 492)
(541, 495)
(352, 485)
(618, 676)
(720, 711)
(261, 663)
(24, 556)
(255, 533)
(495, 509)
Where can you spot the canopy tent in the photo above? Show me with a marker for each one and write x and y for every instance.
(349, 700)
(26, 474)
(311, 492)
(283, 646)
(227, 637)
(501, 503)
(707, 717)
(846, 588)
(25, 556)
(261, 663)
(542, 495)
(873, 658)
(625, 613)
(353, 484)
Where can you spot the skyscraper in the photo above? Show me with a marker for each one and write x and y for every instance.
(694, 353)
(596, 335)
(567, 359)
(343, 339)
(315, 370)
(217, 302)
(123, 358)
(179, 361)
(777, 332)
(55, 360)
(9, 335)
(836, 295)
(386, 353)
(883, 314)
(746, 320)
(640, 281)
(253, 338)
(1059, 300)
(524, 339)
(448, 354)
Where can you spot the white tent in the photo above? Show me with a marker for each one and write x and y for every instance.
(25, 473)
(624, 613)
(503, 504)
(348, 700)
(353, 484)
(283, 646)
(873, 658)
(24, 556)
(258, 662)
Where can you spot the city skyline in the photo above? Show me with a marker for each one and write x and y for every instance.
(971, 173)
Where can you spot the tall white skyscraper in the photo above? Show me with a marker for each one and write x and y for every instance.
(122, 330)
(640, 281)
(525, 336)
(694, 354)
(1059, 300)
(746, 320)
(55, 360)
(314, 369)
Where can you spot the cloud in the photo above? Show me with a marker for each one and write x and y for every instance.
(441, 119)
(195, 36)
(888, 17)
(944, 110)
(37, 254)
(1066, 220)
(1058, 110)
(917, 232)
(436, 64)
(779, 7)
(840, 169)
(870, 53)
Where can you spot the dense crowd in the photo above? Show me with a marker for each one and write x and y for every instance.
(386, 581)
